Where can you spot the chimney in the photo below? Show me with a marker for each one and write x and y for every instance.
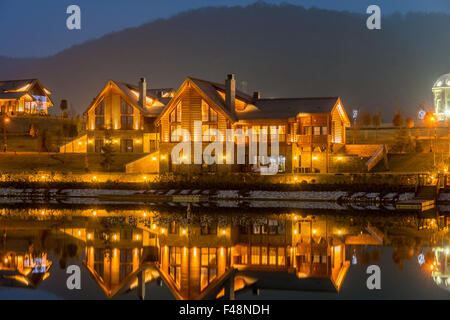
(256, 95)
(230, 93)
(142, 92)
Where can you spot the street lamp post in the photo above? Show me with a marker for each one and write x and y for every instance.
(5, 122)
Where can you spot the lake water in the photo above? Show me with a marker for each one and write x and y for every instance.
(204, 251)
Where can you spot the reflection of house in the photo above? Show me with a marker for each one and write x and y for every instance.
(440, 267)
(116, 258)
(24, 97)
(273, 253)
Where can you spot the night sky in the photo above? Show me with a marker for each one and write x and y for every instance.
(38, 28)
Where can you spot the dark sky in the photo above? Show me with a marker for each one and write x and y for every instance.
(38, 28)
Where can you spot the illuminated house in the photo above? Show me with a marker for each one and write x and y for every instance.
(441, 92)
(311, 133)
(309, 129)
(19, 97)
(122, 115)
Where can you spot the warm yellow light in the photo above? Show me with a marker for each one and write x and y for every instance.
(43, 212)
(116, 141)
(42, 177)
(138, 141)
(339, 231)
(295, 178)
(295, 231)
(79, 233)
(6, 120)
(144, 214)
(137, 237)
(154, 158)
(94, 213)
(89, 236)
(154, 226)
(184, 231)
(295, 158)
(295, 218)
(79, 143)
(89, 141)
(162, 230)
(314, 231)
(144, 178)
(115, 237)
(314, 158)
(340, 158)
(6, 260)
(163, 157)
(94, 177)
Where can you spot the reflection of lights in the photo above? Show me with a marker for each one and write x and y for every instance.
(421, 259)
(438, 280)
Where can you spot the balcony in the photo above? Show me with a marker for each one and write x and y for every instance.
(314, 139)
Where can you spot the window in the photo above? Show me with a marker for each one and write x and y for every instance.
(211, 135)
(126, 122)
(281, 132)
(208, 266)
(175, 133)
(281, 256)
(272, 256)
(100, 116)
(307, 131)
(273, 226)
(126, 145)
(125, 107)
(175, 115)
(173, 227)
(207, 228)
(98, 145)
(208, 114)
(324, 131)
(316, 131)
(256, 252)
(175, 264)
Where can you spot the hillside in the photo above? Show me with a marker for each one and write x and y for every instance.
(280, 50)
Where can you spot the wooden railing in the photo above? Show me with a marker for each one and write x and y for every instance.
(314, 139)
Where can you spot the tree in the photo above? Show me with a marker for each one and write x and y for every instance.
(107, 152)
(34, 130)
(403, 142)
(43, 140)
(366, 121)
(64, 106)
(409, 124)
(398, 120)
(376, 122)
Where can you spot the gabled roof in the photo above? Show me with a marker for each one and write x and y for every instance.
(8, 88)
(14, 95)
(209, 90)
(287, 107)
(127, 89)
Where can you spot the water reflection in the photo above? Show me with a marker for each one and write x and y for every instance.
(198, 255)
